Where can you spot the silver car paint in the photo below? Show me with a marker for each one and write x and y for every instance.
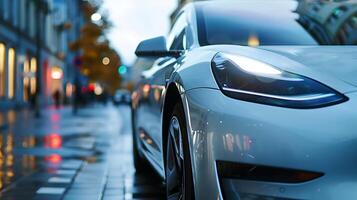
(201, 96)
(316, 139)
(322, 140)
(198, 62)
(211, 115)
(340, 61)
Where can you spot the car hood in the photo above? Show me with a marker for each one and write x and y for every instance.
(337, 61)
(334, 66)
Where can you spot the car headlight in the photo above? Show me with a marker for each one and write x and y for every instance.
(250, 80)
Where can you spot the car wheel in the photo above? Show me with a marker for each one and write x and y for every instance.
(178, 170)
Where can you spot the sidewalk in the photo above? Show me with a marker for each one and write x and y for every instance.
(62, 156)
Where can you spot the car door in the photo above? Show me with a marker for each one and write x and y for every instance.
(159, 74)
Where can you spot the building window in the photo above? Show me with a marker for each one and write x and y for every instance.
(32, 24)
(15, 12)
(11, 73)
(5, 9)
(27, 17)
(2, 70)
(11, 11)
(1, 8)
(33, 69)
(23, 15)
(26, 92)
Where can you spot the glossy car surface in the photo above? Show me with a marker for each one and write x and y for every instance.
(269, 101)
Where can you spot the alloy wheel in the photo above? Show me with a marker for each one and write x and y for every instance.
(175, 174)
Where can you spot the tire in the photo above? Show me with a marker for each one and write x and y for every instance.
(179, 181)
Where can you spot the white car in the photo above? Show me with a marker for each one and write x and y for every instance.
(249, 100)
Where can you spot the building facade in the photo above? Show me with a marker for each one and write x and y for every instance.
(34, 57)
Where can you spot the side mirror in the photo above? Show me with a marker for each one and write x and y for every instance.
(155, 47)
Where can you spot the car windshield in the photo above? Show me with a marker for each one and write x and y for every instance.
(277, 23)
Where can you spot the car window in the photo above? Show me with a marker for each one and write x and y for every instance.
(179, 42)
(248, 27)
(177, 36)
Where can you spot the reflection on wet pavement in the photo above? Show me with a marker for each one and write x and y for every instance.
(62, 156)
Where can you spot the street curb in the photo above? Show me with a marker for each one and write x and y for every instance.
(3, 127)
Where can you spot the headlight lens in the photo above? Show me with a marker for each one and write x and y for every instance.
(250, 80)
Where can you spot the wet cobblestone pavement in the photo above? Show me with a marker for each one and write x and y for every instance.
(61, 156)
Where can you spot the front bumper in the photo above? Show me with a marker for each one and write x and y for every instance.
(317, 140)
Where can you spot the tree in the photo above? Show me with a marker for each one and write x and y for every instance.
(100, 62)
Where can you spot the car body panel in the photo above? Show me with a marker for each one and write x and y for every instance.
(198, 61)
(211, 106)
(321, 140)
(148, 111)
(212, 115)
(338, 61)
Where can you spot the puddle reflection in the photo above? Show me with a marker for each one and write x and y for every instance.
(53, 159)
(29, 142)
(55, 117)
(11, 116)
(53, 141)
(12, 166)
(6, 159)
(29, 162)
(2, 119)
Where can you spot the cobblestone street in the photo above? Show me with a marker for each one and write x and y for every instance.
(61, 156)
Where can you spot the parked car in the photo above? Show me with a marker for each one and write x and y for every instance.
(122, 97)
(248, 102)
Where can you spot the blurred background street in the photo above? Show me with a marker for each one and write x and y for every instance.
(73, 52)
(65, 82)
(61, 156)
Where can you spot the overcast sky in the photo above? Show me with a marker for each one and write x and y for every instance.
(136, 20)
